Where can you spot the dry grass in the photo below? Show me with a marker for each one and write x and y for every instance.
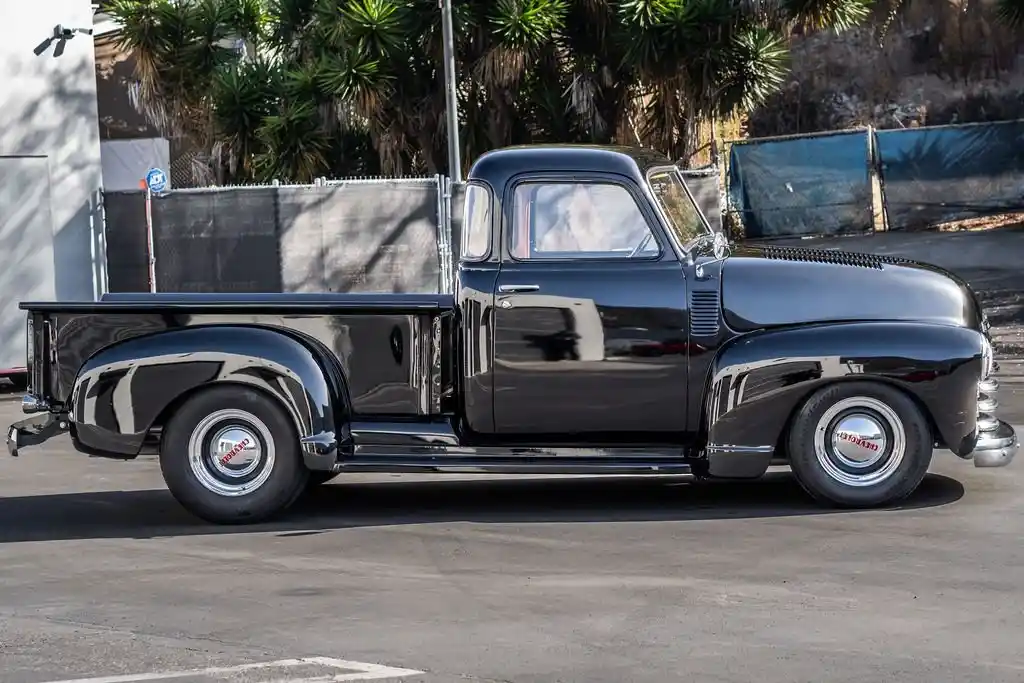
(1003, 220)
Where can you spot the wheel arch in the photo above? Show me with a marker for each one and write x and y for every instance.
(165, 415)
(780, 443)
(758, 382)
(125, 390)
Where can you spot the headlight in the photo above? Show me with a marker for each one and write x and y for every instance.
(987, 359)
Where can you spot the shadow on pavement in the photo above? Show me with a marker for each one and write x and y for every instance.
(154, 513)
(10, 391)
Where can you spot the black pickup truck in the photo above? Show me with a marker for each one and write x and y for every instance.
(597, 325)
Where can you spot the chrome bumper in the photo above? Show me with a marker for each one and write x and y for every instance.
(997, 441)
(996, 447)
(33, 431)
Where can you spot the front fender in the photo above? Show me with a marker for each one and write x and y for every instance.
(121, 391)
(758, 380)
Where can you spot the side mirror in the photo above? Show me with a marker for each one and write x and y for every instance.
(721, 244)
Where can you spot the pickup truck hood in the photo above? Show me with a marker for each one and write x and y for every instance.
(771, 286)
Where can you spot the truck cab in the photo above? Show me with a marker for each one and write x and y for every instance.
(596, 324)
(572, 285)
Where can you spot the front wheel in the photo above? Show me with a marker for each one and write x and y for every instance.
(860, 444)
(231, 455)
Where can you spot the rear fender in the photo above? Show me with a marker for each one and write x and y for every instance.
(758, 380)
(122, 390)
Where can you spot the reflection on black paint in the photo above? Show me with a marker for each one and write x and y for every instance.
(396, 344)
(598, 349)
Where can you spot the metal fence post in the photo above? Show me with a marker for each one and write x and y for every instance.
(877, 217)
(444, 235)
(879, 168)
(150, 241)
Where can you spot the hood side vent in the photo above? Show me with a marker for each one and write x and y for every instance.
(705, 311)
(844, 258)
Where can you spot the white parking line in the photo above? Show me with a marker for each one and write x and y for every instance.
(354, 671)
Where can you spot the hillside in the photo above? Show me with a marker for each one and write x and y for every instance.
(940, 61)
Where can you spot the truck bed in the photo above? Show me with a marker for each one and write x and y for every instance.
(387, 345)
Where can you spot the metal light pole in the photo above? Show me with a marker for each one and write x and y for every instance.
(451, 105)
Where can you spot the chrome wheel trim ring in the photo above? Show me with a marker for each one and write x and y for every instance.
(851, 461)
(210, 457)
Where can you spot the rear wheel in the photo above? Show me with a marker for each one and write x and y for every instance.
(859, 444)
(231, 455)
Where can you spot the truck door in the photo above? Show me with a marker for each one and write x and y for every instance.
(590, 315)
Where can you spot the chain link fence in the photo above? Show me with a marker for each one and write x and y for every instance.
(364, 234)
(941, 174)
(802, 185)
(367, 234)
(402, 234)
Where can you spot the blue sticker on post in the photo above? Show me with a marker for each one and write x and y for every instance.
(156, 180)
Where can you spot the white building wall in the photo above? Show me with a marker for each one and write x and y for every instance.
(51, 237)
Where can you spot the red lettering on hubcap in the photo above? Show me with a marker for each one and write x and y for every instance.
(857, 441)
(239, 447)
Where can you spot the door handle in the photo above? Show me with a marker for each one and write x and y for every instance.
(513, 289)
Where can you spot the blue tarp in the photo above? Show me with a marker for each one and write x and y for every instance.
(816, 185)
(946, 173)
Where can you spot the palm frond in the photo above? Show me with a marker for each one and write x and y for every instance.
(355, 77)
(519, 29)
(756, 68)
(1011, 12)
(243, 96)
(288, 22)
(295, 145)
(838, 15)
(376, 26)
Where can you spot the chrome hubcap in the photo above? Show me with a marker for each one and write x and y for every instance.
(231, 452)
(235, 452)
(860, 441)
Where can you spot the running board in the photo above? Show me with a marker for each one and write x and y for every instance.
(485, 464)
(435, 447)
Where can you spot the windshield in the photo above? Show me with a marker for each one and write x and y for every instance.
(685, 218)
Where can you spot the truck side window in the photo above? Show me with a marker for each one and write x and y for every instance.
(579, 220)
(476, 223)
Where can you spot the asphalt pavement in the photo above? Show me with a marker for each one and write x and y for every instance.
(103, 577)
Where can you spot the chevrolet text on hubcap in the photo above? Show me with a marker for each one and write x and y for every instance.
(860, 441)
(231, 452)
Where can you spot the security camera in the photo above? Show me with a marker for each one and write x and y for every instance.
(62, 33)
(61, 36)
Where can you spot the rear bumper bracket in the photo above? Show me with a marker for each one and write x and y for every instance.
(34, 431)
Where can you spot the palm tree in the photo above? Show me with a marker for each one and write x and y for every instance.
(178, 48)
(321, 82)
(1011, 12)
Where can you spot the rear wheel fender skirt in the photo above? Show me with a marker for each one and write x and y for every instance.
(757, 380)
(121, 390)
